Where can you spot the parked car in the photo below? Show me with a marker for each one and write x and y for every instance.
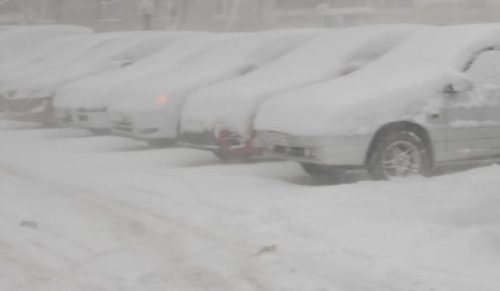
(84, 103)
(219, 118)
(58, 56)
(22, 44)
(433, 100)
(32, 100)
(149, 109)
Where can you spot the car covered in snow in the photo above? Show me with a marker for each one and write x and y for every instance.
(20, 45)
(433, 100)
(219, 118)
(149, 109)
(32, 100)
(57, 56)
(84, 103)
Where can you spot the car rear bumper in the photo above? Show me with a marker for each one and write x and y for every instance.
(349, 151)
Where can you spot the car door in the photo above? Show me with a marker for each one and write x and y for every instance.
(473, 116)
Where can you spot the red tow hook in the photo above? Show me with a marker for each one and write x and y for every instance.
(231, 141)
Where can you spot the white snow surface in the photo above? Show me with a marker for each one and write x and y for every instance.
(93, 92)
(109, 55)
(401, 85)
(329, 55)
(25, 43)
(81, 212)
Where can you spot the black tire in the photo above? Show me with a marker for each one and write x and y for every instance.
(229, 157)
(100, 131)
(161, 143)
(314, 169)
(414, 156)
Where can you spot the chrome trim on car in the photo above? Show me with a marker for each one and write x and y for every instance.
(339, 150)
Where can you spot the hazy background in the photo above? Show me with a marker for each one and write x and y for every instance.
(234, 15)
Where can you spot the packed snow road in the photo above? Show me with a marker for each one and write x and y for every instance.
(80, 212)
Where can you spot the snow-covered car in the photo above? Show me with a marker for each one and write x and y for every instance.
(84, 103)
(149, 109)
(433, 100)
(23, 44)
(219, 118)
(32, 100)
(57, 56)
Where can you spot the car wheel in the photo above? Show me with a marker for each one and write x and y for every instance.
(313, 169)
(400, 154)
(230, 157)
(99, 131)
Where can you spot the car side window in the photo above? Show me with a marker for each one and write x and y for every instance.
(485, 69)
(484, 72)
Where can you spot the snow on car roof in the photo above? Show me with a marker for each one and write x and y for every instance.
(92, 91)
(397, 85)
(106, 55)
(256, 47)
(61, 54)
(323, 57)
(221, 60)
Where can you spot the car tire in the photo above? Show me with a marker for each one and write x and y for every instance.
(100, 131)
(313, 169)
(230, 157)
(400, 154)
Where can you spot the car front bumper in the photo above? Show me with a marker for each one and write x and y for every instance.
(82, 118)
(142, 125)
(342, 151)
(226, 141)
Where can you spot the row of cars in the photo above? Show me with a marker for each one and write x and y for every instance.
(396, 100)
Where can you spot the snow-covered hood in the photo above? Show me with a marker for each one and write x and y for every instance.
(46, 85)
(219, 63)
(401, 85)
(93, 92)
(60, 56)
(325, 56)
(105, 57)
(169, 87)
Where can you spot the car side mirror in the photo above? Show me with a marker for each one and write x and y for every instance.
(458, 86)
(248, 69)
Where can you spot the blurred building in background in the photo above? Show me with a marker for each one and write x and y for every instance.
(241, 15)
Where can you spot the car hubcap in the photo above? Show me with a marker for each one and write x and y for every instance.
(401, 159)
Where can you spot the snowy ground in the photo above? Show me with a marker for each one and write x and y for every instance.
(80, 212)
